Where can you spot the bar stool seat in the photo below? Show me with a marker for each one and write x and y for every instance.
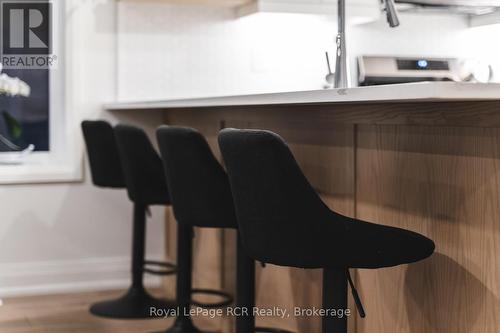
(283, 221)
(381, 246)
(340, 241)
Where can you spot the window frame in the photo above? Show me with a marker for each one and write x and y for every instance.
(63, 162)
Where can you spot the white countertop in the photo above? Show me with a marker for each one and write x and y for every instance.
(424, 91)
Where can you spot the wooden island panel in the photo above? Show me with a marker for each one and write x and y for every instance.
(412, 165)
(443, 182)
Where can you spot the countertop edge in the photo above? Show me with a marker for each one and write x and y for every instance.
(407, 93)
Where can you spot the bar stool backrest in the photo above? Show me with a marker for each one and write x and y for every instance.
(280, 215)
(198, 184)
(105, 165)
(142, 167)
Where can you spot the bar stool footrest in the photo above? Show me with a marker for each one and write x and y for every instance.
(169, 268)
(271, 330)
(227, 298)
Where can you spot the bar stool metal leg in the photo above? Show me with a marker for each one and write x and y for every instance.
(183, 322)
(138, 246)
(334, 298)
(245, 291)
(245, 295)
(137, 302)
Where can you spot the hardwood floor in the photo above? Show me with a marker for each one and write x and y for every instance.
(68, 314)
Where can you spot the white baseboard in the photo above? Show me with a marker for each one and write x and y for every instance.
(54, 277)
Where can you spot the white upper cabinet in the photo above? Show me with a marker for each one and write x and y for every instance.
(219, 3)
(358, 11)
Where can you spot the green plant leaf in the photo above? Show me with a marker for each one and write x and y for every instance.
(13, 126)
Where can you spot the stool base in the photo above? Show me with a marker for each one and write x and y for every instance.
(135, 304)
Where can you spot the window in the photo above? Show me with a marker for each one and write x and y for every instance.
(40, 119)
(30, 114)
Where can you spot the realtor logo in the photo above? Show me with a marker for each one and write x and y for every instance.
(28, 28)
(26, 35)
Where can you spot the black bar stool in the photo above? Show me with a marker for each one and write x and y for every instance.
(106, 169)
(201, 197)
(283, 221)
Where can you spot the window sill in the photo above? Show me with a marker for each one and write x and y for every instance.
(41, 169)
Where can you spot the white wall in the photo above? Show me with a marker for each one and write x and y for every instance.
(170, 51)
(70, 237)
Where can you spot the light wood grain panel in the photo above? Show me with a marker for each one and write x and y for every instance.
(429, 167)
(443, 182)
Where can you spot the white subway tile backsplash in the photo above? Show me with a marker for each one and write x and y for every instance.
(169, 51)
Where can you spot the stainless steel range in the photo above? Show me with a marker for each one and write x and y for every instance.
(471, 7)
(374, 70)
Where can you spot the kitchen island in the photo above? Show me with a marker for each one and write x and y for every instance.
(424, 157)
